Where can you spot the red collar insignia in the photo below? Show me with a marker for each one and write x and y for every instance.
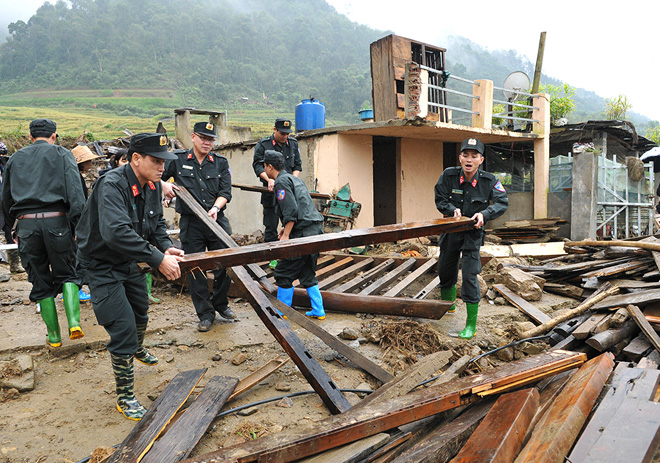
(210, 157)
(135, 190)
(473, 183)
(189, 156)
(274, 142)
(151, 185)
(461, 180)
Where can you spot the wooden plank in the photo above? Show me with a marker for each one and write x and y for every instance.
(444, 442)
(345, 274)
(293, 346)
(351, 453)
(651, 361)
(428, 288)
(622, 300)
(454, 370)
(263, 189)
(355, 303)
(637, 348)
(632, 435)
(564, 289)
(147, 430)
(382, 454)
(330, 340)
(644, 325)
(500, 435)
(555, 433)
(257, 376)
(616, 269)
(388, 278)
(529, 309)
(334, 267)
(185, 433)
(407, 379)
(403, 284)
(243, 255)
(583, 331)
(348, 427)
(359, 280)
(608, 339)
(626, 383)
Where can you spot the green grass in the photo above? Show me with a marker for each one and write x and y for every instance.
(106, 113)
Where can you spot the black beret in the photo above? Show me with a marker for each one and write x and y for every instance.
(205, 128)
(153, 144)
(273, 157)
(43, 127)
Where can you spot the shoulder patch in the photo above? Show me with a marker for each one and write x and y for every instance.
(280, 195)
(498, 186)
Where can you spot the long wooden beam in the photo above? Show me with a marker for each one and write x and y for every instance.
(356, 303)
(351, 426)
(263, 189)
(312, 244)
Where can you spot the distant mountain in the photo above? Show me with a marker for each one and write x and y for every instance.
(215, 52)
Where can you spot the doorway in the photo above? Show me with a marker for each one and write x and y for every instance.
(385, 185)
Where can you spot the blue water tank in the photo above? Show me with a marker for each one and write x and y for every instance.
(310, 115)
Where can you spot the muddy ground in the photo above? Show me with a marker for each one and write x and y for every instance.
(72, 411)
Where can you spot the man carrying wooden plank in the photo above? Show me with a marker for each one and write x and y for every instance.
(123, 224)
(299, 218)
(466, 191)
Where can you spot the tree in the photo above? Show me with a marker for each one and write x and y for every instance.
(561, 100)
(616, 108)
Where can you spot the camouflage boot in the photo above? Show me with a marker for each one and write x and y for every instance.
(14, 261)
(142, 355)
(127, 404)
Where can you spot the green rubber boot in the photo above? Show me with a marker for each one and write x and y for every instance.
(72, 309)
(143, 355)
(49, 315)
(471, 322)
(127, 404)
(150, 281)
(449, 294)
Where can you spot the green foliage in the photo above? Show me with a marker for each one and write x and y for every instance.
(616, 108)
(498, 109)
(561, 100)
(653, 134)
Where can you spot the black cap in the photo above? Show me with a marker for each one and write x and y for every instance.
(205, 128)
(473, 144)
(273, 157)
(153, 144)
(283, 125)
(42, 127)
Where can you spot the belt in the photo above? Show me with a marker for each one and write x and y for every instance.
(41, 215)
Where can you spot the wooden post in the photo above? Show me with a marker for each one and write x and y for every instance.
(484, 105)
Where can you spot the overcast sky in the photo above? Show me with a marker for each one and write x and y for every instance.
(608, 47)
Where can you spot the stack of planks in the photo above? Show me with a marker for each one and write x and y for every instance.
(528, 231)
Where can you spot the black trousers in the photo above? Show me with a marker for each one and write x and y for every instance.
(196, 237)
(120, 301)
(451, 256)
(47, 252)
(301, 268)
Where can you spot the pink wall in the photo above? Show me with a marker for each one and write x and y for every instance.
(421, 166)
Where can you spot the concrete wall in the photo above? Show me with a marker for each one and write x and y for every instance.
(421, 166)
(521, 207)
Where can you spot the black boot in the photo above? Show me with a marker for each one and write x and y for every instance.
(127, 404)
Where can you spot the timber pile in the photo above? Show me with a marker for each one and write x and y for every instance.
(528, 231)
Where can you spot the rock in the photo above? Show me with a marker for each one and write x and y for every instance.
(217, 357)
(498, 332)
(283, 386)
(286, 402)
(169, 359)
(349, 334)
(528, 286)
(239, 358)
(329, 357)
(500, 301)
(100, 453)
(18, 373)
(525, 326)
(363, 387)
(354, 344)
(248, 411)
(352, 398)
(275, 429)
(371, 337)
(4, 277)
(483, 286)
(506, 354)
(8, 394)
(475, 351)
(531, 348)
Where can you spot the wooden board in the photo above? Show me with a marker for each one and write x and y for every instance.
(427, 289)
(637, 348)
(529, 309)
(348, 427)
(182, 437)
(243, 255)
(256, 377)
(345, 274)
(645, 326)
(626, 383)
(147, 430)
(351, 453)
(622, 300)
(388, 278)
(555, 433)
(583, 331)
(500, 435)
(360, 280)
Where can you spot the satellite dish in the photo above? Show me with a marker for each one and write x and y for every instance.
(515, 83)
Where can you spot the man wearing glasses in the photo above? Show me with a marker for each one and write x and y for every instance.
(207, 177)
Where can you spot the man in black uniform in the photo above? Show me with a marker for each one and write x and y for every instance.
(123, 224)
(466, 191)
(279, 141)
(41, 188)
(208, 179)
(299, 216)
